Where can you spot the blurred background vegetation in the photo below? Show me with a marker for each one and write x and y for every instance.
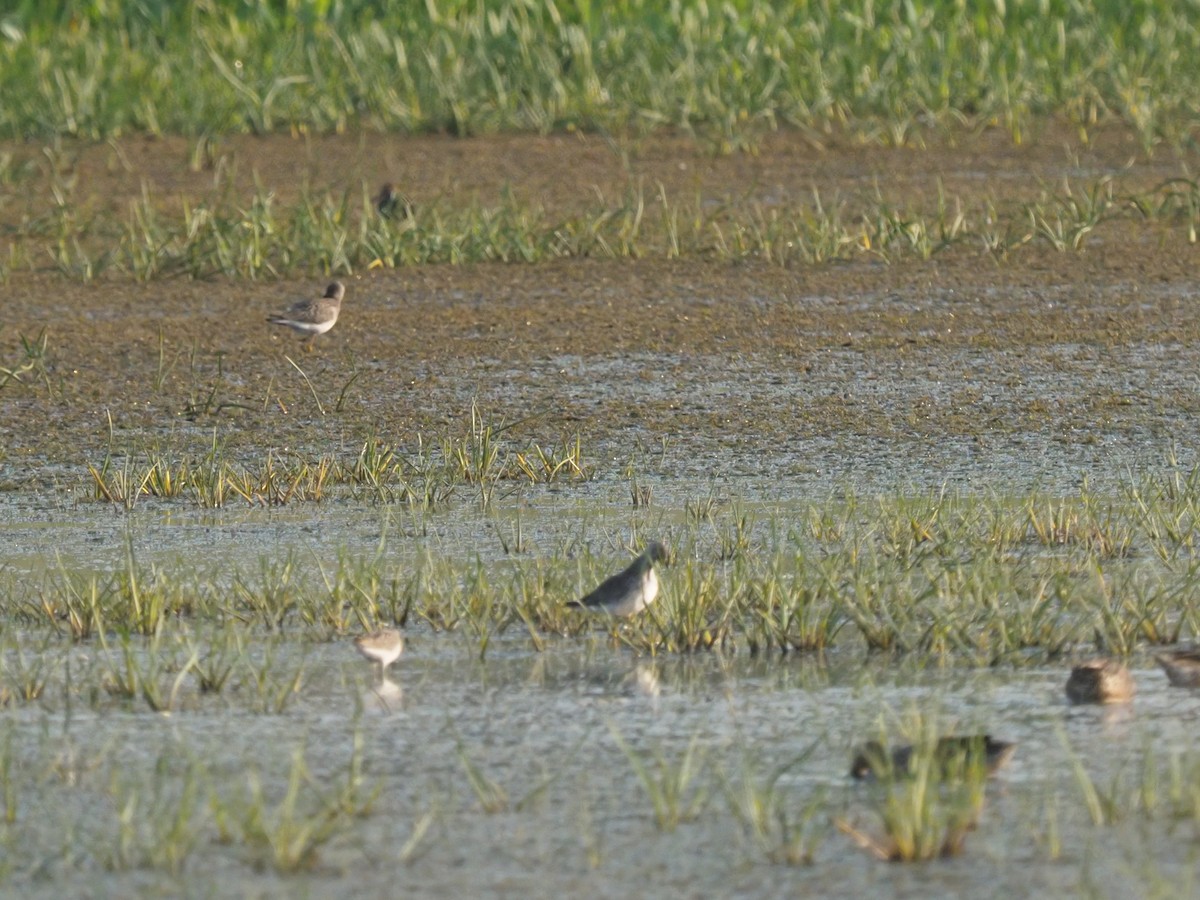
(728, 69)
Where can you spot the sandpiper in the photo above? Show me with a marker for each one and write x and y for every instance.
(628, 593)
(313, 317)
(1100, 680)
(390, 201)
(383, 646)
(1182, 667)
(951, 755)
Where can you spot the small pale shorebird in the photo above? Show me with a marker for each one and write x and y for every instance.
(1100, 680)
(951, 755)
(628, 593)
(383, 646)
(313, 317)
(1182, 667)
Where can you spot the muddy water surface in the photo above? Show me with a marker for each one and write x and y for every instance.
(548, 730)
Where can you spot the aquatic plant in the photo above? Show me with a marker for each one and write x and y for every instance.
(289, 836)
(676, 788)
(785, 832)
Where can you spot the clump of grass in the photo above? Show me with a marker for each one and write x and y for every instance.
(760, 805)
(546, 465)
(273, 684)
(927, 811)
(1181, 792)
(26, 677)
(289, 836)
(32, 364)
(215, 663)
(491, 796)
(675, 788)
(158, 826)
(1105, 805)
(796, 608)
(269, 602)
(927, 801)
(424, 480)
(145, 670)
(922, 819)
(640, 494)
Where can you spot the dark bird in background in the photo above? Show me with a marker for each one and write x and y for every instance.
(951, 756)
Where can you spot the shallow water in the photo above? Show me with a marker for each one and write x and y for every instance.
(545, 728)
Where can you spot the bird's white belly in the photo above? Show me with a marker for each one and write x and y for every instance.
(645, 596)
(315, 327)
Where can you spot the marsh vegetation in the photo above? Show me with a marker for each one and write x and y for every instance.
(879, 314)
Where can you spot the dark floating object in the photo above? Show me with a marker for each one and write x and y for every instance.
(952, 756)
(1100, 680)
(1182, 667)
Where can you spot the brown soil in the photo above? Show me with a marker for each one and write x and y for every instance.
(1084, 346)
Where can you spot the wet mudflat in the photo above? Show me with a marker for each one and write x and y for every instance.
(510, 765)
(1057, 359)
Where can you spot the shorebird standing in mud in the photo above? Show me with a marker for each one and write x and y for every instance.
(313, 317)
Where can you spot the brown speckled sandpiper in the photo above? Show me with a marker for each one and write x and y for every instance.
(313, 317)
(1182, 667)
(1100, 680)
(383, 646)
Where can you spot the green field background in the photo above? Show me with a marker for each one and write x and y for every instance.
(102, 68)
